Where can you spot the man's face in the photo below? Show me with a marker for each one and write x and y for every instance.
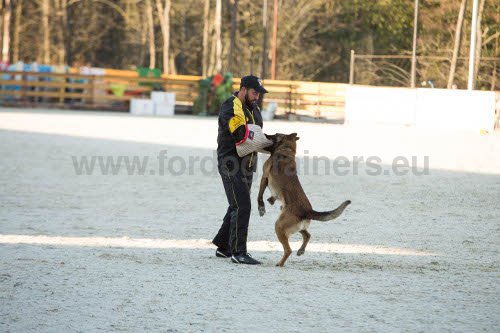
(251, 96)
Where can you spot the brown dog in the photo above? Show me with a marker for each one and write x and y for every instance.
(280, 174)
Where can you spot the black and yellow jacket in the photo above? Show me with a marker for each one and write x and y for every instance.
(233, 119)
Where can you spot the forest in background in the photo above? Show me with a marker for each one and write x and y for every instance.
(201, 37)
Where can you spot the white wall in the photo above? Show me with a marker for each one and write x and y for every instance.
(423, 108)
(369, 105)
(455, 109)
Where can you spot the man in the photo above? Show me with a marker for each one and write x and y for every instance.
(237, 172)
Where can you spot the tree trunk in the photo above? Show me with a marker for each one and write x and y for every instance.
(234, 14)
(45, 58)
(151, 34)
(456, 48)
(213, 42)
(61, 33)
(494, 72)
(218, 47)
(66, 31)
(264, 40)
(143, 40)
(6, 31)
(69, 36)
(17, 30)
(1, 25)
(172, 70)
(206, 26)
(164, 14)
(275, 40)
(479, 43)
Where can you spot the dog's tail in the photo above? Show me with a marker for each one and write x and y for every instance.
(329, 215)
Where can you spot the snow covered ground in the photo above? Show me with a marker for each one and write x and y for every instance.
(130, 250)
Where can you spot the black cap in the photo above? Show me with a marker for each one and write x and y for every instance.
(251, 81)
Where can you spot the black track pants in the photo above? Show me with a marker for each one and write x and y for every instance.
(233, 233)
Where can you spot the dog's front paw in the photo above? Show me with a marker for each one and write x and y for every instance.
(262, 210)
(300, 252)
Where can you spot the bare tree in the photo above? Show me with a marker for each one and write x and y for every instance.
(45, 56)
(234, 19)
(213, 45)
(494, 71)
(151, 34)
(1, 25)
(136, 31)
(164, 15)
(264, 39)
(143, 39)
(18, 8)
(479, 43)
(206, 27)
(6, 30)
(218, 36)
(61, 30)
(456, 48)
(313, 35)
(300, 56)
(275, 40)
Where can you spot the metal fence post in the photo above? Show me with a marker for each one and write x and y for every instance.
(414, 50)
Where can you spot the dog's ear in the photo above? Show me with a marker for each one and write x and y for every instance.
(276, 138)
(271, 137)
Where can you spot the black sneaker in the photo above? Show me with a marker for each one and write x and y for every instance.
(222, 253)
(244, 258)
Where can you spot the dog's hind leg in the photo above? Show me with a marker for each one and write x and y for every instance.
(284, 227)
(306, 236)
(283, 238)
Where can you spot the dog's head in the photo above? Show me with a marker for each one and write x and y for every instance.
(283, 142)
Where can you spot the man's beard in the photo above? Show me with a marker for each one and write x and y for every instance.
(247, 102)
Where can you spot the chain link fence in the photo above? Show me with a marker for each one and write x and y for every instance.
(431, 71)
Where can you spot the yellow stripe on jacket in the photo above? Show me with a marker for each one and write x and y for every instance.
(239, 116)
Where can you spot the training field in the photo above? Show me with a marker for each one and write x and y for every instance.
(82, 250)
